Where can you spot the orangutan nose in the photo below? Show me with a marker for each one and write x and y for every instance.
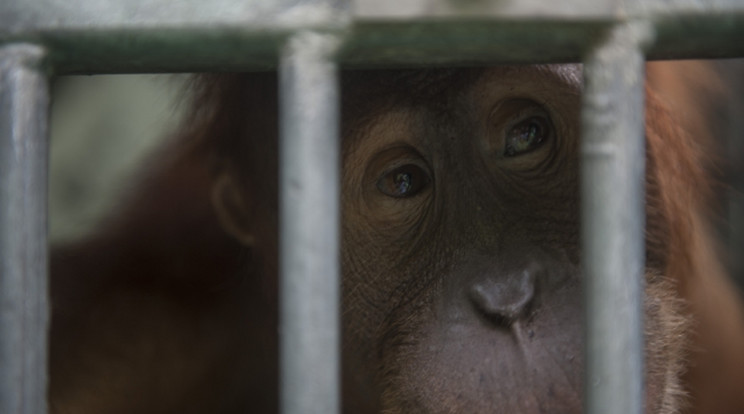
(505, 298)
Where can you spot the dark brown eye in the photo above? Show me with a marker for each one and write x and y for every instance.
(526, 136)
(405, 181)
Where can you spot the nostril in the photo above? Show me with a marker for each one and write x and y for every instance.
(504, 299)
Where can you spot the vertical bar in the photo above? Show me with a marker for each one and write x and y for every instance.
(24, 313)
(309, 226)
(613, 220)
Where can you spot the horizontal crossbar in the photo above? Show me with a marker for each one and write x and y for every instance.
(105, 36)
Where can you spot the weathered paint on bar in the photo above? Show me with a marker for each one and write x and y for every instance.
(24, 305)
(613, 220)
(309, 226)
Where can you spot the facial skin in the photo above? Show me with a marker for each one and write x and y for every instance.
(460, 258)
(462, 221)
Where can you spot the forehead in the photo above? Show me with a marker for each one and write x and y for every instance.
(369, 92)
(536, 80)
(389, 97)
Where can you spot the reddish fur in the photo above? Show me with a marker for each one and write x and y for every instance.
(158, 302)
(681, 148)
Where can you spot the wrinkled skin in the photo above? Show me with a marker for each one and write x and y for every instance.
(480, 267)
(460, 252)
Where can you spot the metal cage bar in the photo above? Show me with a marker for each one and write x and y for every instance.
(613, 219)
(104, 36)
(309, 226)
(108, 36)
(24, 312)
